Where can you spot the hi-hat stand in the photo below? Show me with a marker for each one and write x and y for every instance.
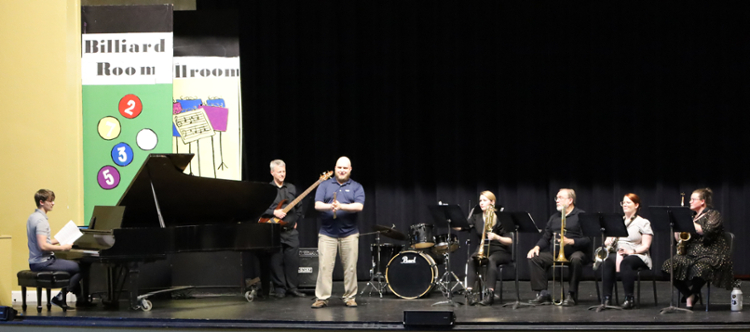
(448, 216)
(377, 279)
(673, 216)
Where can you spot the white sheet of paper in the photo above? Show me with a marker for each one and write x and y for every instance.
(68, 234)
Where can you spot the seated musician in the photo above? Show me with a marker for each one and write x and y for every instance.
(705, 256)
(496, 250)
(285, 263)
(631, 253)
(575, 247)
(41, 245)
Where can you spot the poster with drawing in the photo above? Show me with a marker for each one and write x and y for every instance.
(207, 116)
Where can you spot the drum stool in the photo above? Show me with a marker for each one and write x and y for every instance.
(42, 279)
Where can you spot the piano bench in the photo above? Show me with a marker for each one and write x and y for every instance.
(42, 279)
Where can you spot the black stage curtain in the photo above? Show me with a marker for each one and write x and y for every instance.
(440, 100)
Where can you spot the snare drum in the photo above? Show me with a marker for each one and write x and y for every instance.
(420, 236)
(443, 244)
(387, 251)
(411, 274)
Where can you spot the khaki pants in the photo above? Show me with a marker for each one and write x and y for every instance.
(348, 247)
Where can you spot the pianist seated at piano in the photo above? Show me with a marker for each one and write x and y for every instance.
(41, 246)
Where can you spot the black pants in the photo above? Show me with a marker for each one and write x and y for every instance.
(538, 266)
(689, 287)
(284, 266)
(490, 275)
(55, 264)
(628, 272)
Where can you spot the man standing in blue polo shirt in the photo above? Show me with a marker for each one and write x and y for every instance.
(338, 232)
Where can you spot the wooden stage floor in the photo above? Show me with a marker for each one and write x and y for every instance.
(374, 313)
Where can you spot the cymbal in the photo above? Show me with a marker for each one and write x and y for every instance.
(390, 232)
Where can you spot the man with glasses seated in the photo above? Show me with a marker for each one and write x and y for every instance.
(575, 246)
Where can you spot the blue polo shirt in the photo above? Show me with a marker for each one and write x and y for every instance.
(345, 223)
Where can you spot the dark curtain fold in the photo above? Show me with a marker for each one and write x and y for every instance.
(440, 100)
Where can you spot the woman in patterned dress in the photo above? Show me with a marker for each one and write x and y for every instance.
(707, 256)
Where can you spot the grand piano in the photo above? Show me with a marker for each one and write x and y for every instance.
(165, 211)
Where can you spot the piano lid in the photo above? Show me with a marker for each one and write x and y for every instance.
(189, 200)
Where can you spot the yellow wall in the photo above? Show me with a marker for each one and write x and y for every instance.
(40, 139)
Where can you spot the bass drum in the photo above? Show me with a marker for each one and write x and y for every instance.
(411, 274)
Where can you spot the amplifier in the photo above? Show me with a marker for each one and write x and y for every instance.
(308, 268)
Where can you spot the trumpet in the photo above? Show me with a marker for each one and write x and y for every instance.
(682, 243)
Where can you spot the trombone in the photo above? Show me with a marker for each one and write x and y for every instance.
(560, 259)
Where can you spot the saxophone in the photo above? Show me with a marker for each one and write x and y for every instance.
(489, 221)
(684, 236)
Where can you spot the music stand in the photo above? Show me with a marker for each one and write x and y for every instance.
(523, 223)
(448, 216)
(679, 219)
(604, 225)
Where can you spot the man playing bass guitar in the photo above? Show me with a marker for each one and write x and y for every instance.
(285, 263)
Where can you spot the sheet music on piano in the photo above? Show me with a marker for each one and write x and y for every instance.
(68, 234)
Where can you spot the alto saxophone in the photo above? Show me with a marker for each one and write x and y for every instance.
(684, 236)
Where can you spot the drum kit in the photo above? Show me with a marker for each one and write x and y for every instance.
(411, 271)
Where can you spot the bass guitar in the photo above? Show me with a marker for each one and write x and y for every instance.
(290, 206)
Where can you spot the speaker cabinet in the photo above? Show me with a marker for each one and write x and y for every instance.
(308, 268)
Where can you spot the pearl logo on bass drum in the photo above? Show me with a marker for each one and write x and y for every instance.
(406, 260)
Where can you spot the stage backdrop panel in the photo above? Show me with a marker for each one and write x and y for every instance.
(126, 72)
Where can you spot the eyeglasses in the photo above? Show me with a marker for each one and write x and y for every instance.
(695, 199)
(625, 203)
(559, 198)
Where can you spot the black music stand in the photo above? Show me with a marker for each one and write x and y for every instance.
(448, 216)
(679, 219)
(604, 225)
(523, 223)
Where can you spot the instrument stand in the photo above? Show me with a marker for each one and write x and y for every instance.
(450, 216)
(377, 280)
(674, 216)
(604, 225)
(524, 224)
(560, 266)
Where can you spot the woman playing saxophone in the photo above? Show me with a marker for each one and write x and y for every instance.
(495, 249)
(706, 255)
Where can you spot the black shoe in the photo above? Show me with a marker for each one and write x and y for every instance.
(489, 298)
(629, 303)
(569, 301)
(542, 299)
(57, 301)
(296, 293)
(471, 297)
(279, 295)
(607, 301)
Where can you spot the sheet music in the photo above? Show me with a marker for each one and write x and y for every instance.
(68, 234)
(193, 125)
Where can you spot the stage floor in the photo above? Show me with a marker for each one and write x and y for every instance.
(376, 313)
